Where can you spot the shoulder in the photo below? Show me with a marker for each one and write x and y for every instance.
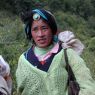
(71, 53)
(21, 58)
(24, 54)
(70, 50)
(74, 58)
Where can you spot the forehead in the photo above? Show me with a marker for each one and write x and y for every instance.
(39, 22)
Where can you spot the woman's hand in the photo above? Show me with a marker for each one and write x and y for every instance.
(68, 40)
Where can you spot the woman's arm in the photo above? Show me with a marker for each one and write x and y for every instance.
(82, 73)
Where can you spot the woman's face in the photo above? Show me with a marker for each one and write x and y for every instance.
(41, 33)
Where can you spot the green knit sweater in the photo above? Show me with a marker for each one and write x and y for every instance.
(32, 81)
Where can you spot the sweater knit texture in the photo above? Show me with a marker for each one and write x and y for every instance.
(33, 81)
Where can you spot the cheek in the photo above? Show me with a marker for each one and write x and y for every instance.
(49, 37)
(33, 35)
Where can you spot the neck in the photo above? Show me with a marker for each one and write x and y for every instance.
(42, 51)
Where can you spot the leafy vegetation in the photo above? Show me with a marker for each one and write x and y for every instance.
(75, 15)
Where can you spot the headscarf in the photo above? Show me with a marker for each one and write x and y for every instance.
(36, 14)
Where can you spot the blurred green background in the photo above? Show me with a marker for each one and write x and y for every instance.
(74, 15)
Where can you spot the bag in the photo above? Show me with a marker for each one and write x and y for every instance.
(73, 86)
(2, 93)
(3, 87)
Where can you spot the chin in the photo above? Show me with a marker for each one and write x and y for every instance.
(42, 46)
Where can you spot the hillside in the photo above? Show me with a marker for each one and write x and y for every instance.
(13, 42)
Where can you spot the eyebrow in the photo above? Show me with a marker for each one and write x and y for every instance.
(44, 26)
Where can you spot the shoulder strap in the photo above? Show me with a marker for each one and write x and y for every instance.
(71, 75)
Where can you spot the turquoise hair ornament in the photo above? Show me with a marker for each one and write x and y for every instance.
(36, 16)
(40, 13)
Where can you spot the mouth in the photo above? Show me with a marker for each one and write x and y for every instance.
(43, 40)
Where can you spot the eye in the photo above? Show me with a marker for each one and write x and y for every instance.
(35, 29)
(44, 28)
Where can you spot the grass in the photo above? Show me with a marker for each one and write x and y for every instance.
(13, 43)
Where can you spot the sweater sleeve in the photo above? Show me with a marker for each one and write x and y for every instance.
(82, 73)
(20, 76)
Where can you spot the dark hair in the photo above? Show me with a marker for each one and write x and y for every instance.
(27, 18)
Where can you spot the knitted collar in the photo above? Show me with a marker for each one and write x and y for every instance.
(30, 56)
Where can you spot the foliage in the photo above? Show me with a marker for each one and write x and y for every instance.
(18, 6)
(83, 8)
(75, 15)
(91, 45)
(90, 60)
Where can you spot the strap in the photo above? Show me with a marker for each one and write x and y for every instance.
(71, 75)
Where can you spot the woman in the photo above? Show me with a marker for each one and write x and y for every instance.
(5, 78)
(41, 69)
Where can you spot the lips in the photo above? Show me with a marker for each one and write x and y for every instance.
(42, 40)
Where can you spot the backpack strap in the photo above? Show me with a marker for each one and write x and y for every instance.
(71, 75)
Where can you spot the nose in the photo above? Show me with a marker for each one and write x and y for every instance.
(40, 33)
